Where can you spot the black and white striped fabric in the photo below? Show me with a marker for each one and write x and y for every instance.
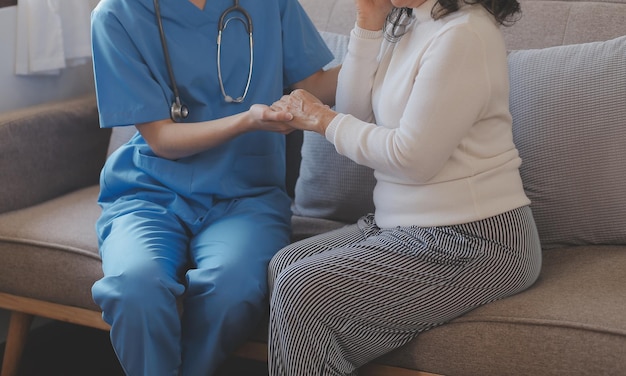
(346, 297)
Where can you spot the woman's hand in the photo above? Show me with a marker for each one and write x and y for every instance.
(308, 112)
(371, 14)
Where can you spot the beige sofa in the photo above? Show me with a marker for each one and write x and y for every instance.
(570, 126)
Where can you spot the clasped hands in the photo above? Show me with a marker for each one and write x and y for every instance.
(298, 110)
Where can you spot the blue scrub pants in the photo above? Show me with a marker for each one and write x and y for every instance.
(217, 265)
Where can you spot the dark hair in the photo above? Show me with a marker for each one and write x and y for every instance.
(399, 20)
(505, 11)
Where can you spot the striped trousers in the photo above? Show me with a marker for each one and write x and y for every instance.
(343, 298)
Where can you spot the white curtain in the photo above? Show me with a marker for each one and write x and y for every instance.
(52, 35)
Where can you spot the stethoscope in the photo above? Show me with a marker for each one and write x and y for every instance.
(179, 111)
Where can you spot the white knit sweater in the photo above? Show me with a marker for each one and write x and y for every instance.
(430, 114)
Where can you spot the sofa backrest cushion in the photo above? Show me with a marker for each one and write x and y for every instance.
(571, 95)
(543, 23)
(569, 118)
(68, 139)
(119, 136)
(549, 23)
(330, 185)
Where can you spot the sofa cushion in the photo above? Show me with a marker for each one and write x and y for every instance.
(56, 242)
(119, 136)
(330, 185)
(569, 118)
(59, 147)
(576, 307)
(559, 22)
(305, 227)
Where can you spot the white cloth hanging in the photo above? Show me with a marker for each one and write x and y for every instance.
(52, 35)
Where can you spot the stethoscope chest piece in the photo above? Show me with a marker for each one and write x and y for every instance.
(178, 111)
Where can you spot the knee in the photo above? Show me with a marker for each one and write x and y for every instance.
(228, 290)
(273, 269)
(278, 263)
(137, 289)
(299, 286)
(250, 292)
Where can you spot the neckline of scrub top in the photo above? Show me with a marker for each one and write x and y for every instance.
(186, 12)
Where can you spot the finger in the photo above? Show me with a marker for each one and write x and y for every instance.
(295, 103)
(279, 106)
(298, 93)
(278, 116)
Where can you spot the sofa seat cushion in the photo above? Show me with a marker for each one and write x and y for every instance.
(571, 322)
(56, 242)
(305, 227)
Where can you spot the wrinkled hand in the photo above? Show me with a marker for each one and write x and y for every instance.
(268, 119)
(371, 14)
(308, 112)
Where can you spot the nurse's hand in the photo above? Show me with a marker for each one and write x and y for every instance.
(308, 112)
(265, 118)
(178, 140)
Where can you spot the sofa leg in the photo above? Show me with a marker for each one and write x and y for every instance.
(19, 326)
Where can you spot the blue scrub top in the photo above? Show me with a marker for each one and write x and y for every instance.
(133, 86)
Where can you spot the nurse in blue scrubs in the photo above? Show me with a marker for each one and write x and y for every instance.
(194, 208)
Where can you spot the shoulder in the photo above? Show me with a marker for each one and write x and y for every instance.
(291, 7)
(120, 10)
(473, 18)
(107, 7)
(472, 27)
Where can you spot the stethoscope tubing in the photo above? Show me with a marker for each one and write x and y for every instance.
(235, 8)
(227, 97)
(179, 111)
(220, 29)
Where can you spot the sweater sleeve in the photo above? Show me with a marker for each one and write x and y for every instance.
(450, 91)
(356, 77)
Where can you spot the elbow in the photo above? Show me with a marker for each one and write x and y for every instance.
(421, 177)
(416, 174)
(164, 153)
(163, 150)
(416, 168)
(155, 135)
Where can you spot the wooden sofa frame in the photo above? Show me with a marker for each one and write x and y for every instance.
(24, 310)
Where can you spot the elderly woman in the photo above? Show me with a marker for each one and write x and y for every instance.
(422, 99)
